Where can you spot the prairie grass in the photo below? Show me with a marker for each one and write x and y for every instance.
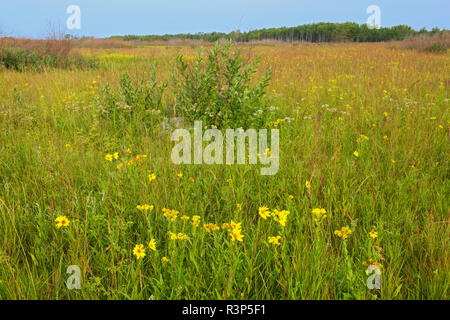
(36, 55)
(366, 140)
(438, 43)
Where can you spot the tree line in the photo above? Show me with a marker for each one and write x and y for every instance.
(317, 32)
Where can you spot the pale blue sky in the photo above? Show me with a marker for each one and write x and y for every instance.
(102, 18)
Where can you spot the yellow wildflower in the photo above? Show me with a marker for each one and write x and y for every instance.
(62, 221)
(275, 240)
(373, 234)
(343, 233)
(152, 244)
(170, 214)
(181, 236)
(280, 216)
(144, 207)
(211, 227)
(319, 214)
(364, 137)
(264, 212)
(307, 185)
(195, 220)
(236, 236)
(235, 226)
(173, 236)
(139, 251)
(226, 225)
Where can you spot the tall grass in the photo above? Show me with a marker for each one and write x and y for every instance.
(438, 43)
(57, 147)
(36, 55)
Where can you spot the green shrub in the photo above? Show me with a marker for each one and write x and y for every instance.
(436, 48)
(138, 99)
(219, 90)
(23, 59)
(18, 59)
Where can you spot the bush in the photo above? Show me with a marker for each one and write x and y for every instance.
(133, 99)
(219, 89)
(18, 59)
(25, 59)
(436, 48)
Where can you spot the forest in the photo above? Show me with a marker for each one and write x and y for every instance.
(317, 32)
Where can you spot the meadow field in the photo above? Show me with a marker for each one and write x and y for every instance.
(86, 177)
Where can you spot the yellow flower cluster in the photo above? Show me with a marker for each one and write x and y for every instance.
(170, 214)
(343, 233)
(319, 214)
(177, 236)
(144, 207)
(195, 220)
(364, 137)
(275, 240)
(276, 123)
(139, 249)
(132, 161)
(234, 230)
(280, 216)
(211, 227)
(277, 215)
(110, 157)
(116, 56)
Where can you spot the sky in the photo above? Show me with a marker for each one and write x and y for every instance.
(104, 18)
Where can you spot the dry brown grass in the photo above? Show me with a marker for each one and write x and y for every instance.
(118, 43)
(57, 47)
(424, 42)
(103, 43)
